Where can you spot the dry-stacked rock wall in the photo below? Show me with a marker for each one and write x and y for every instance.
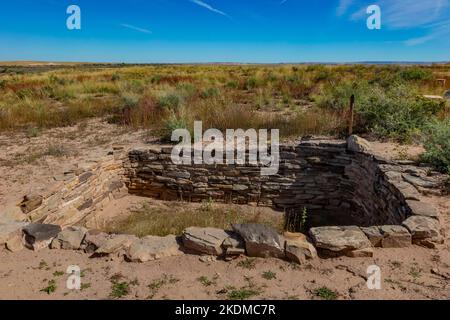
(335, 185)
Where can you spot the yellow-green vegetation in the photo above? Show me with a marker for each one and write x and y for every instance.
(297, 99)
(157, 284)
(246, 292)
(206, 281)
(325, 293)
(51, 287)
(269, 275)
(247, 263)
(120, 289)
(162, 221)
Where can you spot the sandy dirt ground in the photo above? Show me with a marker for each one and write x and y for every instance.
(413, 273)
(29, 164)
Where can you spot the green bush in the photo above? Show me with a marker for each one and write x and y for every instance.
(170, 125)
(170, 101)
(437, 144)
(397, 111)
(415, 73)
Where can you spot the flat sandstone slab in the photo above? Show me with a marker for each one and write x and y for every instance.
(339, 239)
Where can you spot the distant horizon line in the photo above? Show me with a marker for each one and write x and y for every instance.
(368, 62)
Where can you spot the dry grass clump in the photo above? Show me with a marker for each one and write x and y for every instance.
(179, 216)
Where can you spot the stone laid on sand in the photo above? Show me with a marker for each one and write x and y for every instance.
(10, 230)
(39, 236)
(419, 208)
(152, 248)
(205, 240)
(115, 243)
(374, 235)
(93, 240)
(389, 236)
(339, 240)
(297, 248)
(260, 240)
(422, 227)
(395, 237)
(69, 239)
(15, 244)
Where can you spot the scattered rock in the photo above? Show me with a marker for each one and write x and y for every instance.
(339, 240)
(38, 236)
(93, 240)
(234, 241)
(297, 248)
(10, 230)
(362, 253)
(31, 202)
(374, 235)
(419, 208)
(357, 144)
(15, 244)
(205, 240)
(409, 191)
(422, 227)
(424, 182)
(395, 237)
(152, 248)
(260, 240)
(12, 214)
(69, 239)
(235, 252)
(115, 243)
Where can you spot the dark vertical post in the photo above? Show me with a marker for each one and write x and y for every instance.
(350, 125)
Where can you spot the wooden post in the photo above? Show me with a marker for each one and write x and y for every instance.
(350, 125)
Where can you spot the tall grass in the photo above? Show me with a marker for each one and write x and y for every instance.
(298, 100)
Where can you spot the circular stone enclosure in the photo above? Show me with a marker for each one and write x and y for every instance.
(321, 179)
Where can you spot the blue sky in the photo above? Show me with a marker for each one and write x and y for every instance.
(225, 31)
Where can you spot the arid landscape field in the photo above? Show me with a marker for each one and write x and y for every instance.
(83, 150)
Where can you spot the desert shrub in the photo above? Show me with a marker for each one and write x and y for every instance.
(170, 101)
(130, 100)
(415, 73)
(171, 124)
(232, 84)
(397, 111)
(140, 111)
(437, 144)
(186, 90)
(210, 92)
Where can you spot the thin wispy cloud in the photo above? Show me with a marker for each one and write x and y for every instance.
(437, 30)
(209, 7)
(283, 2)
(343, 6)
(429, 16)
(131, 27)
